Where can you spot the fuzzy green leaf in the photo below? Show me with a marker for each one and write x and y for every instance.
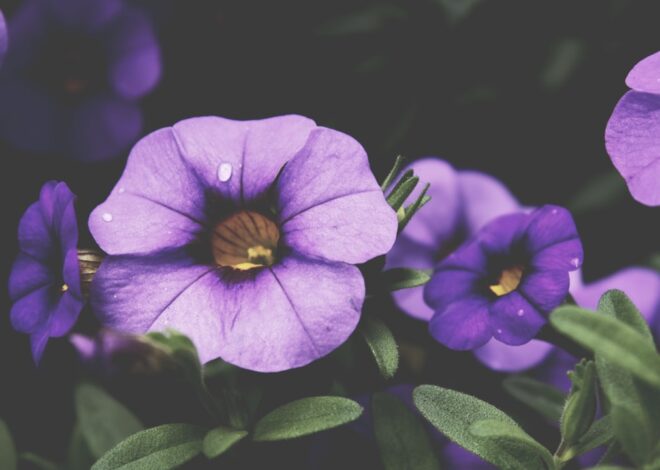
(161, 448)
(219, 440)
(396, 168)
(104, 422)
(402, 190)
(405, 278)
(541, 397)
(599, 434)
(580, 408)
(306, 416)
(381, 342)
(401, 438)
(8, 458)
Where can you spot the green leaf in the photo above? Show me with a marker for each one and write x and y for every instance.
(580, 408)
(452, 413)
(306, 416)
(404, 215)
(8, 458)
(616, 303)
(38, 463)
(161, 448)
(405, 278)
(381, 342)
(219, 440)
(611, 338)
(79, 456)
(632, 432)
(504, 435)
(104, 422)
(396, 168)
(599, 434)
(545, 399)
(401, 438)
(599, 193)
(402, 190)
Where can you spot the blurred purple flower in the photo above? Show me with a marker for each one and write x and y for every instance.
(73, 75)
(3, 37)
(632, 136)
(461, 203)
(503, 281)
(44, 284)
(243, 236)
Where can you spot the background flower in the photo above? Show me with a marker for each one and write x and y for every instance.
(197, 246)
(44, 283)
(3, 37)
(73, 75)
(632, 135)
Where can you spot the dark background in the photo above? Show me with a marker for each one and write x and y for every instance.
(521, 89)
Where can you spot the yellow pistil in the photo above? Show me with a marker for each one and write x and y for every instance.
(244, 241)
(64, 288)
(508, 281)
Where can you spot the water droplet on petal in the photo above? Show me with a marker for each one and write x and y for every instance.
(499, 331)
(121, 190)
(554, 211)
(575, 262)
(224, 172)
(107, 217)
(520, 312)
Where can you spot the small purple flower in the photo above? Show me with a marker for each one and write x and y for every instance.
(44, 284)
(73, 75)
(3, 37)
(632, 136)
(461, 203)
(503, 281)
(243, 235)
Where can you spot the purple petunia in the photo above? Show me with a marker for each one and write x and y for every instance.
(73, 75)
(632, 136)
(242, 235)
(44, 284)
(503, 281)
(461, 203)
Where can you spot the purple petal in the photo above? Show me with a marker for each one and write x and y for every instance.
(504, 358)
(30, 312)
(330, 204)
(27, 275)
(38, 342)
(483, 199)
(103, 127)
(545, 289)
(550, 225)
(449, 285)
(514, 320)
(468, 257)
(454, 456)
(251, 152)
(64, 315)
(500, 234)
(464, 325)
(645, 75)
(566, 255)
(554, 370)
(134, 55)
(407, 253)
(642, 285)
(632, 138)
(3, 37)
(34, 237)
(438, 222)
(157, 203)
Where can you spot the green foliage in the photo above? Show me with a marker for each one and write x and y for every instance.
(599, 434)
(8, 458)
(401, 438)
(396, 168)
(500, 441)
(217, 441)
(405, 214)
(402, 190)
(104, 422)
(306, 416)
(580, 408)
(405, 278)
(161, 448)
(541, 397)
(35, 462)
(381, 342)
(79, 457)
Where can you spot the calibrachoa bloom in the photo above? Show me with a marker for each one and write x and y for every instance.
(44, 284)
(242, 235)
(461, 203)
(642, 285)
(632, 136)
(73, 75)
(503, 281)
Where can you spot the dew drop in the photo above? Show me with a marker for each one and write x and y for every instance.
(575, 262)
(224, 172)
(121, 190)
(107, 217)
(520, 312)
(499, 331)
(554, 211)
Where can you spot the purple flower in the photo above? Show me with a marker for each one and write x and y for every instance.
(74, 74)
(44, 284)
(243, 235)
(3, 37)
(461, 203)
(642, 285)
(632, 136)
(503, 281)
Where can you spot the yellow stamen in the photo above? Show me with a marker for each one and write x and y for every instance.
(64, 288)
(508, 281)
(244, 241)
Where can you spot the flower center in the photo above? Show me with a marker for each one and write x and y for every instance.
(63, 288)
(508, 281)
(245, 240)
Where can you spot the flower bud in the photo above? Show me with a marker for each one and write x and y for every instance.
(580, 407)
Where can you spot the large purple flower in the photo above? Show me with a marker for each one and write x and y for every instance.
(44, 283)
(243, 235)
(632, 136)
(73, 74)
(461, 203)
(642, 285)
(503, 281)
